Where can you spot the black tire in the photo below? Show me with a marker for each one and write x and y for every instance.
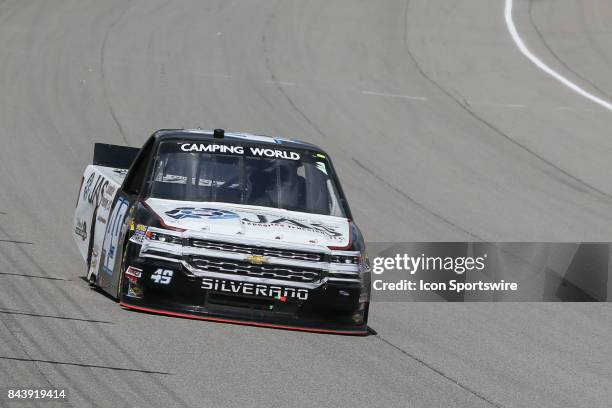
(92, 231)
(121, 270)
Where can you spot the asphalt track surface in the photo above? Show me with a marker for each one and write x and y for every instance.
(440, 129)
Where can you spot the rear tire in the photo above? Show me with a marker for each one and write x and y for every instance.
(121, 271)
(92, 232)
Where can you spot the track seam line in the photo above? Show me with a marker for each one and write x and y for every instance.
(318, 130)
(273, 75)
(439, 372)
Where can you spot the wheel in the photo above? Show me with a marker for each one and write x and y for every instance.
(122, 267)
(91, 278)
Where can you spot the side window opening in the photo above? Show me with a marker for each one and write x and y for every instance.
(136, 176)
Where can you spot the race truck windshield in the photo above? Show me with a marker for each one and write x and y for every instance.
(295, 180)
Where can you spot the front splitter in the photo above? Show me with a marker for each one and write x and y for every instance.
(244, 322)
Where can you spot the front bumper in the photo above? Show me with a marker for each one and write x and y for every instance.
(327, 308)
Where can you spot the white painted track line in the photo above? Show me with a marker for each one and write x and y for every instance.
(540, 64)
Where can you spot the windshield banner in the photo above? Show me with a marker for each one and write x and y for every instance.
(252, 151)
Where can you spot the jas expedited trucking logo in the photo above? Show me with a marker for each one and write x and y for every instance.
(254, 220)
(263, 221)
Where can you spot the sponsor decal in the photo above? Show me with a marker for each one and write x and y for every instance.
(139, 233)
(231, 149)
(260, 220)
(81, 229)
(197, 213)
(211, 148)
(273, 153)
(133, 274)
(134, 291)
(94, 187)
(107, 197)
(290, 223)
(254, 289)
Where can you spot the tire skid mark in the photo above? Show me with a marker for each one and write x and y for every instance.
(110, 345)
(140, 390)
(25, 351)
(24, 338)
(77, 319)
(40, 345)
(12, 241)
(133, 370)
(35, 276)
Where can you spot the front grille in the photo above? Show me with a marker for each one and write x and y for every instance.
(279, 272)
(256, 250)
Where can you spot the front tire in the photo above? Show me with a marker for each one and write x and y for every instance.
(122, 267)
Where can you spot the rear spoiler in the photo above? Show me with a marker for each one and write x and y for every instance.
(109, 155)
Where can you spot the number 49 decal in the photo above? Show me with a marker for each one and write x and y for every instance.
(162, 276)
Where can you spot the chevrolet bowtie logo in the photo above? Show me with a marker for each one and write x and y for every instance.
(257, 259)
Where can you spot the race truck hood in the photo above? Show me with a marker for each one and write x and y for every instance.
(253, 222)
